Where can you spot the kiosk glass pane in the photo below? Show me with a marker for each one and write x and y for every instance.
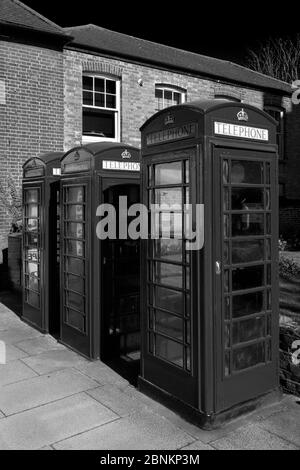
(246, 199)
(74, 248)
(248, 251)
(169, 350)
(168, 299)
(168, 173)
(169, 266)
(170, 250)
(169, 274)
(169, 325)
(32, 249)
(244, 172)
(246, 255)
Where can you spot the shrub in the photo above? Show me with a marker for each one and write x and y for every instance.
(282, 244)
(288, 268)
(11, 202)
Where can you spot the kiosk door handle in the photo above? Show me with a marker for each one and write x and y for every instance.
(218, 268)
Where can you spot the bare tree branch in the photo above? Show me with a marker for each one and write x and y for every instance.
(278, 58)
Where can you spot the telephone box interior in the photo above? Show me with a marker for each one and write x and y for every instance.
(100, 277)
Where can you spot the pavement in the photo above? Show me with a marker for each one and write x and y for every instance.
(53, 399)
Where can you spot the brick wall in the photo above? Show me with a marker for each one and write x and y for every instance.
(31, 116)
(289, 221)
(138, 103)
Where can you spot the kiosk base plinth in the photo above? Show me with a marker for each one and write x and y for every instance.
(201, 419)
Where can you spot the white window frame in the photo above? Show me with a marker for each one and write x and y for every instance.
(172, 89)
(87, 139)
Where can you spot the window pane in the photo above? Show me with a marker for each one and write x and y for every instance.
(248, 251)
(248, 330)
(247, 172)
(75, 248)
(169, 225)
(75, 283)
(248, 278)
(100, 85)
(33, 299)
(169, 350)
(32, 269)
(31, 239)
(100, 100)
(31, 196)
(170, 197)
(76, 301)
(75, 230)
(225, 172)
(169, 300)
(74, 265)
(99, 124)
(168, 173)
(177, 98)
(158, 93)
(32, 212)
(88, 98)
(75, 194)
(111, 87)
(87, 83)
(168, 249)
(170, 325)
(248, 304)
(75, 212)
(169, 274)
(111, 101)
(248, 357)
(75, 320)
(168, 95)
(32, 283)
(247, 199)
(247, 225)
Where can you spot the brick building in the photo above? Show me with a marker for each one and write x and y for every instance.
(63, 87)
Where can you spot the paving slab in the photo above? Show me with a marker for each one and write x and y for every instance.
(15, 371)
(51, 361)
(252, 437)
(116, 399)
(40, 427)
(41, 390)
(140, 431)
(40, 345)
(13, 353)
(197, 445)
(18, 333)
(102, 374)
(8, 321)
(196, 432)
(285, 424)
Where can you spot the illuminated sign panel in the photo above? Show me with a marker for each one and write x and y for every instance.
(121, 166)
(168, 135)
(241, 132)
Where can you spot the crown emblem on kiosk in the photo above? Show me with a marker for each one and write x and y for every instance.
(169, 119)
(243, 116)
(126, 155)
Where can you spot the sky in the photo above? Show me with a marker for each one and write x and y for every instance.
(226, 30)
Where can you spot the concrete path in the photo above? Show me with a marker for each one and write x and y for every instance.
(52, 398)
